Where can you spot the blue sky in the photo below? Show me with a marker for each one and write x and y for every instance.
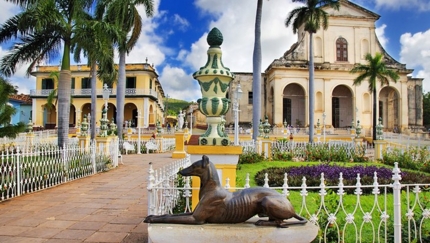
(174, 40)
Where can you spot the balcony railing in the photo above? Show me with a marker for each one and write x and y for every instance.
(87, 92)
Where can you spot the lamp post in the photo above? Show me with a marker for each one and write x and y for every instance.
(104, 121)
(236, 96)
(191, 120)
(138, 128)
(324, 125)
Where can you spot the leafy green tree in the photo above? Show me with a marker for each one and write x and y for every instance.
(426, 109)
(374, 70)
(7, 111)
(124, 14)
(313, 17)
(40, 32)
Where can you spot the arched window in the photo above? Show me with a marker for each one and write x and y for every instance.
(341, 50)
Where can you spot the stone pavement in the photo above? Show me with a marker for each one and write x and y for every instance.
(106, 207)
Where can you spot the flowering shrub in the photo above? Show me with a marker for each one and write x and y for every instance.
(414, 158)
(250, 158)
(324, 152)
(331, 175)
(283, 156)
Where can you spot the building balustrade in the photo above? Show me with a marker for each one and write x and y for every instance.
(87, 92)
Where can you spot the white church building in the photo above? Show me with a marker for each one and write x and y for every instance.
(348, 38)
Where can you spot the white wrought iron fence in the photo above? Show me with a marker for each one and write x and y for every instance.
(163, 190)
(384, 214)
(28, 171)
(298, 149)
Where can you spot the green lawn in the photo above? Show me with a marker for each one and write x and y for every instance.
(341, 207)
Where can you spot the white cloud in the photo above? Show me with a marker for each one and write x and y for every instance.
(7, 10)
(237, 24)
(415, 53)
(380, 33)
(418, 5)
(178, 84)
(182, 23)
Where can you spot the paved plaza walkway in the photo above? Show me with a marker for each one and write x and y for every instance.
(107, 207)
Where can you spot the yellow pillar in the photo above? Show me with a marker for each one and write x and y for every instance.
(267, 148)
(225, 159)
(179, 152)
(103, 144)
(84, 142)
(380, 146)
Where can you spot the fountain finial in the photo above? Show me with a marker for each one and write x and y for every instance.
(214, 38)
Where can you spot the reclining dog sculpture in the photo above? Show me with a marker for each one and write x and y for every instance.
(218, 205)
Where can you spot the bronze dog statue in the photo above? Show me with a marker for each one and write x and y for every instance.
(218, 205)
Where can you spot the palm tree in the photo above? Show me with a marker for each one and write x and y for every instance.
(97, 45)
(256, 70)
(312, 16)
(7, 111)
(124, 14)
(374, 70)
(40, 32)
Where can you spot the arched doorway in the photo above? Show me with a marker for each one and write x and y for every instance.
(130, 114)
(111, 113)
(72, 116)
(49, 116)
(342, 108)
(293, 105)
(389, 108)
(86, 110)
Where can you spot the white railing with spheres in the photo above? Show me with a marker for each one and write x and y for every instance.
(383, 224)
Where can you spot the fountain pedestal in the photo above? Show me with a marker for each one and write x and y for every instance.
(231, 233)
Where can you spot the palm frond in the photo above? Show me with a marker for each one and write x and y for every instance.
(135, 33)
(33, 49)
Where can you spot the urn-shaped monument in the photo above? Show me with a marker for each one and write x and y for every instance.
(214, 79)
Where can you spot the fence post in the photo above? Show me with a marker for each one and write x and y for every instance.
(93, 149)
(18, 172)
(397, 204)
(63, 151)
(150, 188)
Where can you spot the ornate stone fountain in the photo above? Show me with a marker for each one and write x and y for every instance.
(214, 79)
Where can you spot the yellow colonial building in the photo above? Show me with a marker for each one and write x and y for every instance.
(143, 97)
(338, 103)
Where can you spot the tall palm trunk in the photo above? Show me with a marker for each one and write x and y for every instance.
(64, 92)
(120, 93)
(93, 98)
(256, 78)
(311, 89)
(374, 114)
